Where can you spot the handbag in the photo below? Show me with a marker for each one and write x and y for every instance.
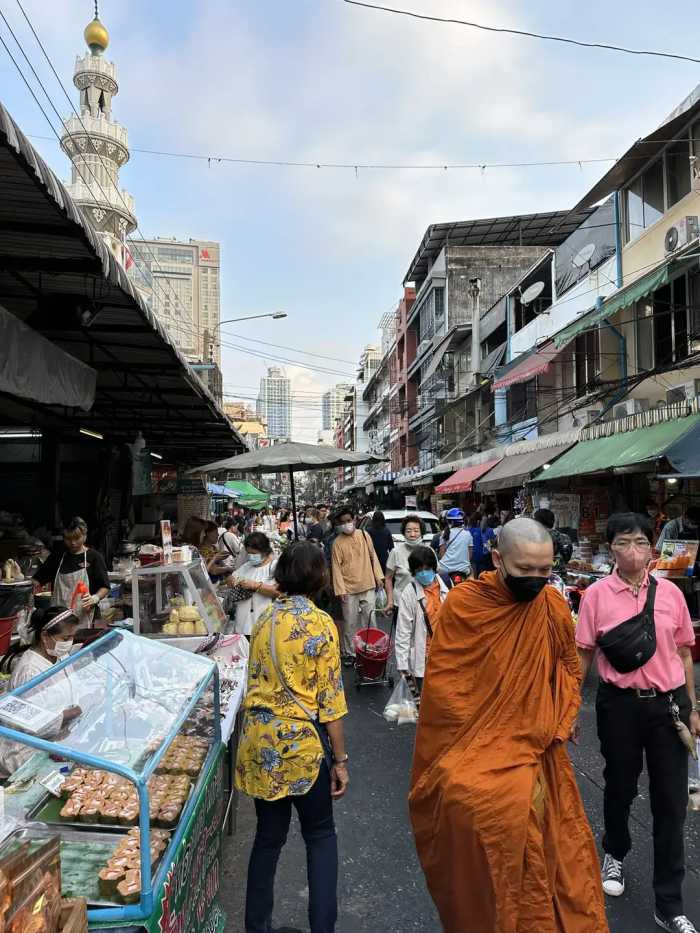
(321, 730)
(632, 643)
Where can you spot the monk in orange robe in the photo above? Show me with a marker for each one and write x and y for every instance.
(499, 823)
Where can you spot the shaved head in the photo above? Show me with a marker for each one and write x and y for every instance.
(522, 531)
(525, 549)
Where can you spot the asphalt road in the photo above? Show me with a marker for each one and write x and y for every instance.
(381, 886)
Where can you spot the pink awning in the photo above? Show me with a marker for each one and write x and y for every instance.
(534, 364)
(464, 479)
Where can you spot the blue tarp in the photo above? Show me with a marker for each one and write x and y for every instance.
(221, 491)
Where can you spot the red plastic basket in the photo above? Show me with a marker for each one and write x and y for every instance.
(372, 647)
(7, 626)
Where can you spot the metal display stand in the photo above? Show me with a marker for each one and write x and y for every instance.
(120, 667)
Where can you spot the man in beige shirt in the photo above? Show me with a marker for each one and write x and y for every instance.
(356, 573)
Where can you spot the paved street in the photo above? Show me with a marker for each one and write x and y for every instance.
(381, 886)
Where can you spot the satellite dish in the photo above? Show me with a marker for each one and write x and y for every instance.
(584, 255)
(534, 291)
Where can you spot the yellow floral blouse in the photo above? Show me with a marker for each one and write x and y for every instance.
(280, 753)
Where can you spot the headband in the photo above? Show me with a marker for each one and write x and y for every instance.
(26, 632)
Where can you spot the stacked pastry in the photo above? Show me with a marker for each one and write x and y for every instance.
(120, 879)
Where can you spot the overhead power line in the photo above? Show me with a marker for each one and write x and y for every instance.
(523, 33)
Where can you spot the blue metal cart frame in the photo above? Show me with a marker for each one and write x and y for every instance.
(149, 883)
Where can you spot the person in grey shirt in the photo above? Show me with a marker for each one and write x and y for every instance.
(685, 528)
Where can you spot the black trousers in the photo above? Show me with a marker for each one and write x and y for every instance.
(629, 728)
(315, 810)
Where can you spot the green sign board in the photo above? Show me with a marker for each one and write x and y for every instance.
(188, 901)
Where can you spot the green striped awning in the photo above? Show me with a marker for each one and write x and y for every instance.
(620, 299)
(603, 454)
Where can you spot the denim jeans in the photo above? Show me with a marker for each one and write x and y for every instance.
(315, 810)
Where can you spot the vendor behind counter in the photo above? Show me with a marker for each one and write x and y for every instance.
(72, 565)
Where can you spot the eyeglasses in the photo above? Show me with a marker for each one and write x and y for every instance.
(640, 544)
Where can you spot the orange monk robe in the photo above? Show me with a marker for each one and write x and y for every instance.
(499, 824)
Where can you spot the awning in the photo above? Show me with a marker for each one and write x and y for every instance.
(221, 492)
(464, 479)
(678, 441)
(451, 340)
(516, 470)
(527, 367)
(641, 152)
(58, 277)
(616, 302)
(247, 493)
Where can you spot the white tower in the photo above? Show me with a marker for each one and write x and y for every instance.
(98, 146)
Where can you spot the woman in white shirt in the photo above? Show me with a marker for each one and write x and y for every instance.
(418, 610)
(398, 574)
(45, 639)
(257, 575)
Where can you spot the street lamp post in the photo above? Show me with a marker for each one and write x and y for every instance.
(276, 316)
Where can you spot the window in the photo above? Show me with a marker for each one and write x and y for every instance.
(522, 401)
(678, 171)
(663, 336)
(522, 314)
(586, 361)
(661, 186)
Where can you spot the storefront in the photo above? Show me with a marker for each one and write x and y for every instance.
(459, 489)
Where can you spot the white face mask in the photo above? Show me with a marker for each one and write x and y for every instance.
(61, 649)
(348, 528)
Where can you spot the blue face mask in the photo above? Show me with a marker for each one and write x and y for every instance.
(425, 577)
(255, 559)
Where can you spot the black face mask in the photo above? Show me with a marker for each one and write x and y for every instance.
(524, 589)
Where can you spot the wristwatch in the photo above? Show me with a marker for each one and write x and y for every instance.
(341, 761)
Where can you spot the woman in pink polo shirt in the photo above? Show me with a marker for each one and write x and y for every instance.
(646, 680)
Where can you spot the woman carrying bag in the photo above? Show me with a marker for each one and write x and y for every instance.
(292, 750)
(638, 629)
(254, 582)
(418, 610)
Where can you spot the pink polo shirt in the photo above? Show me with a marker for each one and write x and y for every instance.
(610, 601)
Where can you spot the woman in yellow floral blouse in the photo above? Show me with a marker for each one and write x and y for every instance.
(292, 750)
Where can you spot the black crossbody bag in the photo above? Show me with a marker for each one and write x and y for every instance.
(632, 643)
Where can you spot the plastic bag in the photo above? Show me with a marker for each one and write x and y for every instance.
(402, 707)
(372, 642)
(694, 771)
(381, 600)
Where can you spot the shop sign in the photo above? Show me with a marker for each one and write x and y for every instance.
(411, 502)
(189, 902)
(190, 485)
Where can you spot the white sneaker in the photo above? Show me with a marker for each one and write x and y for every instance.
(679, 924)
(613, 877)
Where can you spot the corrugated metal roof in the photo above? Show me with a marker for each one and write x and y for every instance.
(548, 229)
(52, 262)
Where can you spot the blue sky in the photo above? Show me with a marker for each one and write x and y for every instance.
(320, 80)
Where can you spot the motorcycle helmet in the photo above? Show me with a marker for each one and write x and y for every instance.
(455, 517)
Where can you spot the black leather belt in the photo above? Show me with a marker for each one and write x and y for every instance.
(643, 693)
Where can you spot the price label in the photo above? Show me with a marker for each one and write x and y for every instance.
(53, 782)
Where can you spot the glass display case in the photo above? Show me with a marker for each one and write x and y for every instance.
(176, 601)
(120, 743)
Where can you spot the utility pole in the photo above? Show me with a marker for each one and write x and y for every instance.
(475, 362)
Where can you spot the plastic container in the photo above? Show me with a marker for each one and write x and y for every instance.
(371, 651)
(7, 627)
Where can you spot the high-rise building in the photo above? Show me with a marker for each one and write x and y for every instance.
(98, 146)
(332, 405)
(275, 404)
(181, 281)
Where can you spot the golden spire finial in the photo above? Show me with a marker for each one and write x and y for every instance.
(96, 35)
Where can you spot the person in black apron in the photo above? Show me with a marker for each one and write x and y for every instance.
(639, 630)
(77, 573)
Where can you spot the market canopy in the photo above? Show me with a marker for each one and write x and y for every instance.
(464, 479)
(516, 470)
(620, 299)
(290, 457)
(678, 441)
(246, 493)
(59, 279)
(221, 492)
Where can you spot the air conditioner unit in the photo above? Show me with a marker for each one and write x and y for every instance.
(684, 231)
(630, 406)
(592, 415)
(685, 392)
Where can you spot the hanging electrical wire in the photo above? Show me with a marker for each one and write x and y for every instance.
(522, 33)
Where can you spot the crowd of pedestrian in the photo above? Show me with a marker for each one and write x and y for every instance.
(495, 663)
